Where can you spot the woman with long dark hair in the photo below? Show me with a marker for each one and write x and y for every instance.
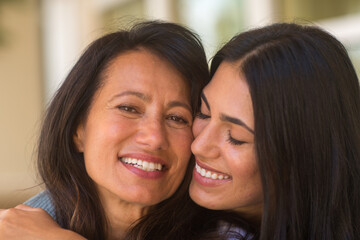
(115, 142)
(277, 139)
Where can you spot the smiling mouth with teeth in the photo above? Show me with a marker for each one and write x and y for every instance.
(143, 165)
(211, 175)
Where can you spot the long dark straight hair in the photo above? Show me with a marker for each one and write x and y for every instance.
(61, 167)
(306, 102)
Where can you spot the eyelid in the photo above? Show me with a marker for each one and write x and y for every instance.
(202, 115)
(234, 141)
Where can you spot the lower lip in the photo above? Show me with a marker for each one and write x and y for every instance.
(144, 174)
(208, 182)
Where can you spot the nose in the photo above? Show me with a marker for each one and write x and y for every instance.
(205, 144)
(152, 134)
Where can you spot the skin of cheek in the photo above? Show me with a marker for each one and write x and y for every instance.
(247, 187)
(182, 143)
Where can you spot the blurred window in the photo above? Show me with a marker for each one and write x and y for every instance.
(216, 21)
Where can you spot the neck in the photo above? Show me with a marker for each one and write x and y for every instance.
(120, 215)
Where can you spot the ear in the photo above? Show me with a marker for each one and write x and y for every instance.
(78, 138)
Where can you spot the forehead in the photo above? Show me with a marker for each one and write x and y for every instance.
(143, 70)
(228, 92)
(229, 82)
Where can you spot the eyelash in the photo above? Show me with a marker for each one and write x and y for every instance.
(177, 119)
(233, 141)
(126, 108)
(230, 139)
(202, 116)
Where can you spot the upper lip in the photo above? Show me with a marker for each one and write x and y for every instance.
(208, 168)
(144, 157)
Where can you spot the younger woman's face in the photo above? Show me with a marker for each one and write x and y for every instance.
(226, 175)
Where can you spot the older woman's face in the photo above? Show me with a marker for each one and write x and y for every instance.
(226, 175)
(136, 138)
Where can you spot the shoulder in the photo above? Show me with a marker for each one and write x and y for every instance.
(42, 200)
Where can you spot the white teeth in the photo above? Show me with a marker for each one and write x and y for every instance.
(209, 174)
(151, 165)
(144, 165)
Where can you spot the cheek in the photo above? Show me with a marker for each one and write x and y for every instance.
(198, 126)
(181, 142)
(101, 143)
(112, 130)
(243, 165)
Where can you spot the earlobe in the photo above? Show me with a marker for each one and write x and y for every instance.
(78, 138)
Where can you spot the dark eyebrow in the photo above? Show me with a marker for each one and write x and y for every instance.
(237, 121)
(205, 100)
(134, 93)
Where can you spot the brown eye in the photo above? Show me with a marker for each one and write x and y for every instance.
(177, 119)
(128, 109)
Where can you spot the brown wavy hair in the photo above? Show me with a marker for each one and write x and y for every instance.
(60, 165)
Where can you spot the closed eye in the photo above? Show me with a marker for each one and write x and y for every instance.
(234, 141)
(202, 115)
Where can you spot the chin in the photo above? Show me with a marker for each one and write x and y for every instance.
(204, 199)
(199, 200)
(147, 200)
